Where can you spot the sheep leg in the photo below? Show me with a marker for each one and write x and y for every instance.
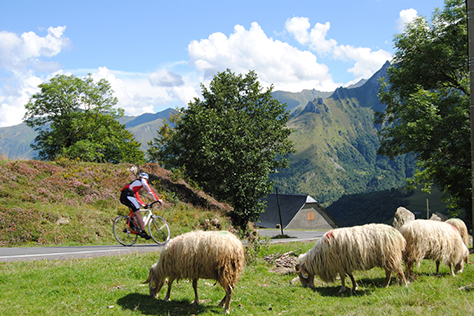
(195, 287)
(226, 300)
(388, 274)
(408, 265)
(343, 282)
(437, 267)
(168, 293)
(451, 268)
(355, 286)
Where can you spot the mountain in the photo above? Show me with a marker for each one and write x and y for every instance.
(336, 142)
(298, 100)
(15, 140)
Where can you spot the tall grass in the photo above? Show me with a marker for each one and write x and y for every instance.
(112, 286)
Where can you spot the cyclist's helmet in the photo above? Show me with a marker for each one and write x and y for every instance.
(143, 175)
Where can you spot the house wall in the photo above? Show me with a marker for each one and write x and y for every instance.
(304, 221)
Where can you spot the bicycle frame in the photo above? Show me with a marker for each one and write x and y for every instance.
(146, 218)
(125, 227)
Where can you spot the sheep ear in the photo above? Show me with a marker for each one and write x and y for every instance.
(300, 270)
(150, 276)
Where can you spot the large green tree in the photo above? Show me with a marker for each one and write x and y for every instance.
(427, 99)
(229, 142)
(76, 117)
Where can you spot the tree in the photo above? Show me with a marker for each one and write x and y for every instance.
(76, 118)
(427, 98)
(229, 143)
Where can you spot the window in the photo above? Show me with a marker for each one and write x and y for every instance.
(310, 216)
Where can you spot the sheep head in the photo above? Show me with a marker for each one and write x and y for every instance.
(306, 278)
(155, 283)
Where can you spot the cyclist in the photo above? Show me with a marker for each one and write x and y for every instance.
(129, 196)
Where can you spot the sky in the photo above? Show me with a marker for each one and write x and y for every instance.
(156, 54)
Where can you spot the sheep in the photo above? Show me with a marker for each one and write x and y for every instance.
(402, 215)
(344, 250)
(461, 227)
(438, 217)
(217, 255)
(435, 240)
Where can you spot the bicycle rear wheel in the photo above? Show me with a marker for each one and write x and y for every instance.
(122, 231)
(159, 230)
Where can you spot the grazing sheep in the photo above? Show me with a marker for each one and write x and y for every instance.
(438, 241)
(216, 255)
(402, 215)
(344, 250)
(461, 227)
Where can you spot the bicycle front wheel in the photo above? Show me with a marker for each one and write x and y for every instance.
(159, 230)
(122, 231)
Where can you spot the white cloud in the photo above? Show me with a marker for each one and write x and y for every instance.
(366, 61)
(406, 16)
(17, 53)
(165, 78)
(137, 95)
(15, 97)
(21, 56)
(298, 27)
(274, 61)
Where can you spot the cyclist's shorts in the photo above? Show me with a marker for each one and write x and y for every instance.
(129, 199)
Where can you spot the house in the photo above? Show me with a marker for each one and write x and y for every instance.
(297, 212)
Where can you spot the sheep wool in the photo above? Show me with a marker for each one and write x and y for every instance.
(217, 255)
(461, 227)
(344, 250)
(435, 240)
(402, 215)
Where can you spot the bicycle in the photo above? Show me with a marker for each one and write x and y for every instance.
(126, 229)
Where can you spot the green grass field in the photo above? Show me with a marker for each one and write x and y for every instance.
(112, 286)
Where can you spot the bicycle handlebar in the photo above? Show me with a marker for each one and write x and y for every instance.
(149, 205)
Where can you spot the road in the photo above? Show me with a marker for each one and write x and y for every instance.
(75, 252)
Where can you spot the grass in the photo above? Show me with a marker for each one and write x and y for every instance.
(112, 286)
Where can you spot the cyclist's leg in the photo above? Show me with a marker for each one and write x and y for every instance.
(139, 219)
(128, 198)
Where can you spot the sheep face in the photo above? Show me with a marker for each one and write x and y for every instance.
(154, 283)
(465, 258)
(307, 279)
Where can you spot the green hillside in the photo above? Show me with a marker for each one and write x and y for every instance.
(337, 146)
(74, 203)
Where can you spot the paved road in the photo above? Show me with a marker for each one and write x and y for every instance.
(62, 253)
(295, 235)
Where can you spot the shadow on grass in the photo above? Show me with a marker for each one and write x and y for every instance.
(153, 306)
(366, 286)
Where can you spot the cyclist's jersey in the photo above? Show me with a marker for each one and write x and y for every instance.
(136, 185)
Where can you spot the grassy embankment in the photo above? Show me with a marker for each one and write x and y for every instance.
(74, 203)
(112, 286)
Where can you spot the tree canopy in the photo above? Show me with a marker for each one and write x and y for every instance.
(76, 118)
(427, 98)
(229, 142)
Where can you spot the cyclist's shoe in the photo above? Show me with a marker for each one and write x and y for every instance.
(143, 234)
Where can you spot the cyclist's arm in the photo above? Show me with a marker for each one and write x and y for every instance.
(146, 186)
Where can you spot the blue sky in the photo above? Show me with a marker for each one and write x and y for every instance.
(157, 53)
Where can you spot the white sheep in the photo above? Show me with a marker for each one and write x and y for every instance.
(402, 215)
(344, 250)
(461, 227)
(435, 240)
(217, 255)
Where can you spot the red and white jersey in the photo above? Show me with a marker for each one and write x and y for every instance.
(137, 185)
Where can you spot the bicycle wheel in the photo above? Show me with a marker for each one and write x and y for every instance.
(159, 230)
(122, 231)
